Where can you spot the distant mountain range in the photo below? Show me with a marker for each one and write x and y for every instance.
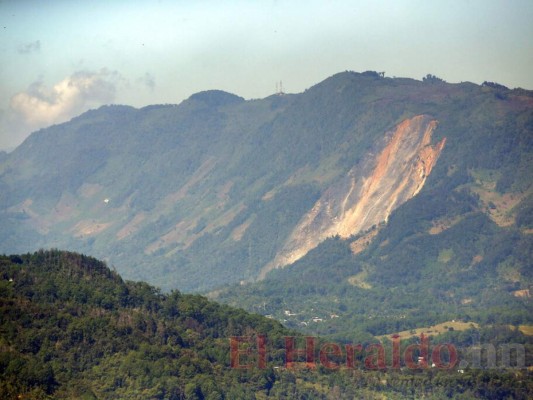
(416, 179)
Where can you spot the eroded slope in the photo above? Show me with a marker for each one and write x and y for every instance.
(370, 191)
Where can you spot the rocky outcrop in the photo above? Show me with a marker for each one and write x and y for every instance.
(370, 191)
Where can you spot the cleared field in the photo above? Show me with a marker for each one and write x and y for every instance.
(435, 329)
(450, 325)
(526, 329)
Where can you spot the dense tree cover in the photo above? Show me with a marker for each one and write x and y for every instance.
(72, 328)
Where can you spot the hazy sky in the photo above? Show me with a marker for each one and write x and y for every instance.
(60, 58)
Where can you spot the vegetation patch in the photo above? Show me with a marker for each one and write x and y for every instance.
(359, 280)
(500, 207)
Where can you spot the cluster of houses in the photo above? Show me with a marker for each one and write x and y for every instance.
(289, 313)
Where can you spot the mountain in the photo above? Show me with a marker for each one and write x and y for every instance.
(219, 190)
(71, 328)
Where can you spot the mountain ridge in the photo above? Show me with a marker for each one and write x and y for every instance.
(207, 192)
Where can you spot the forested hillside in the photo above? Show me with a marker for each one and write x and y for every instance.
(71, 328)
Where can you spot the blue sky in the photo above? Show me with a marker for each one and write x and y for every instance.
(60, 58)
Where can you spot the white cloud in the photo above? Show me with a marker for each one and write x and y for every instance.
(40, 105)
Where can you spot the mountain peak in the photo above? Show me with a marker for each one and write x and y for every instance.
(216, 98)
